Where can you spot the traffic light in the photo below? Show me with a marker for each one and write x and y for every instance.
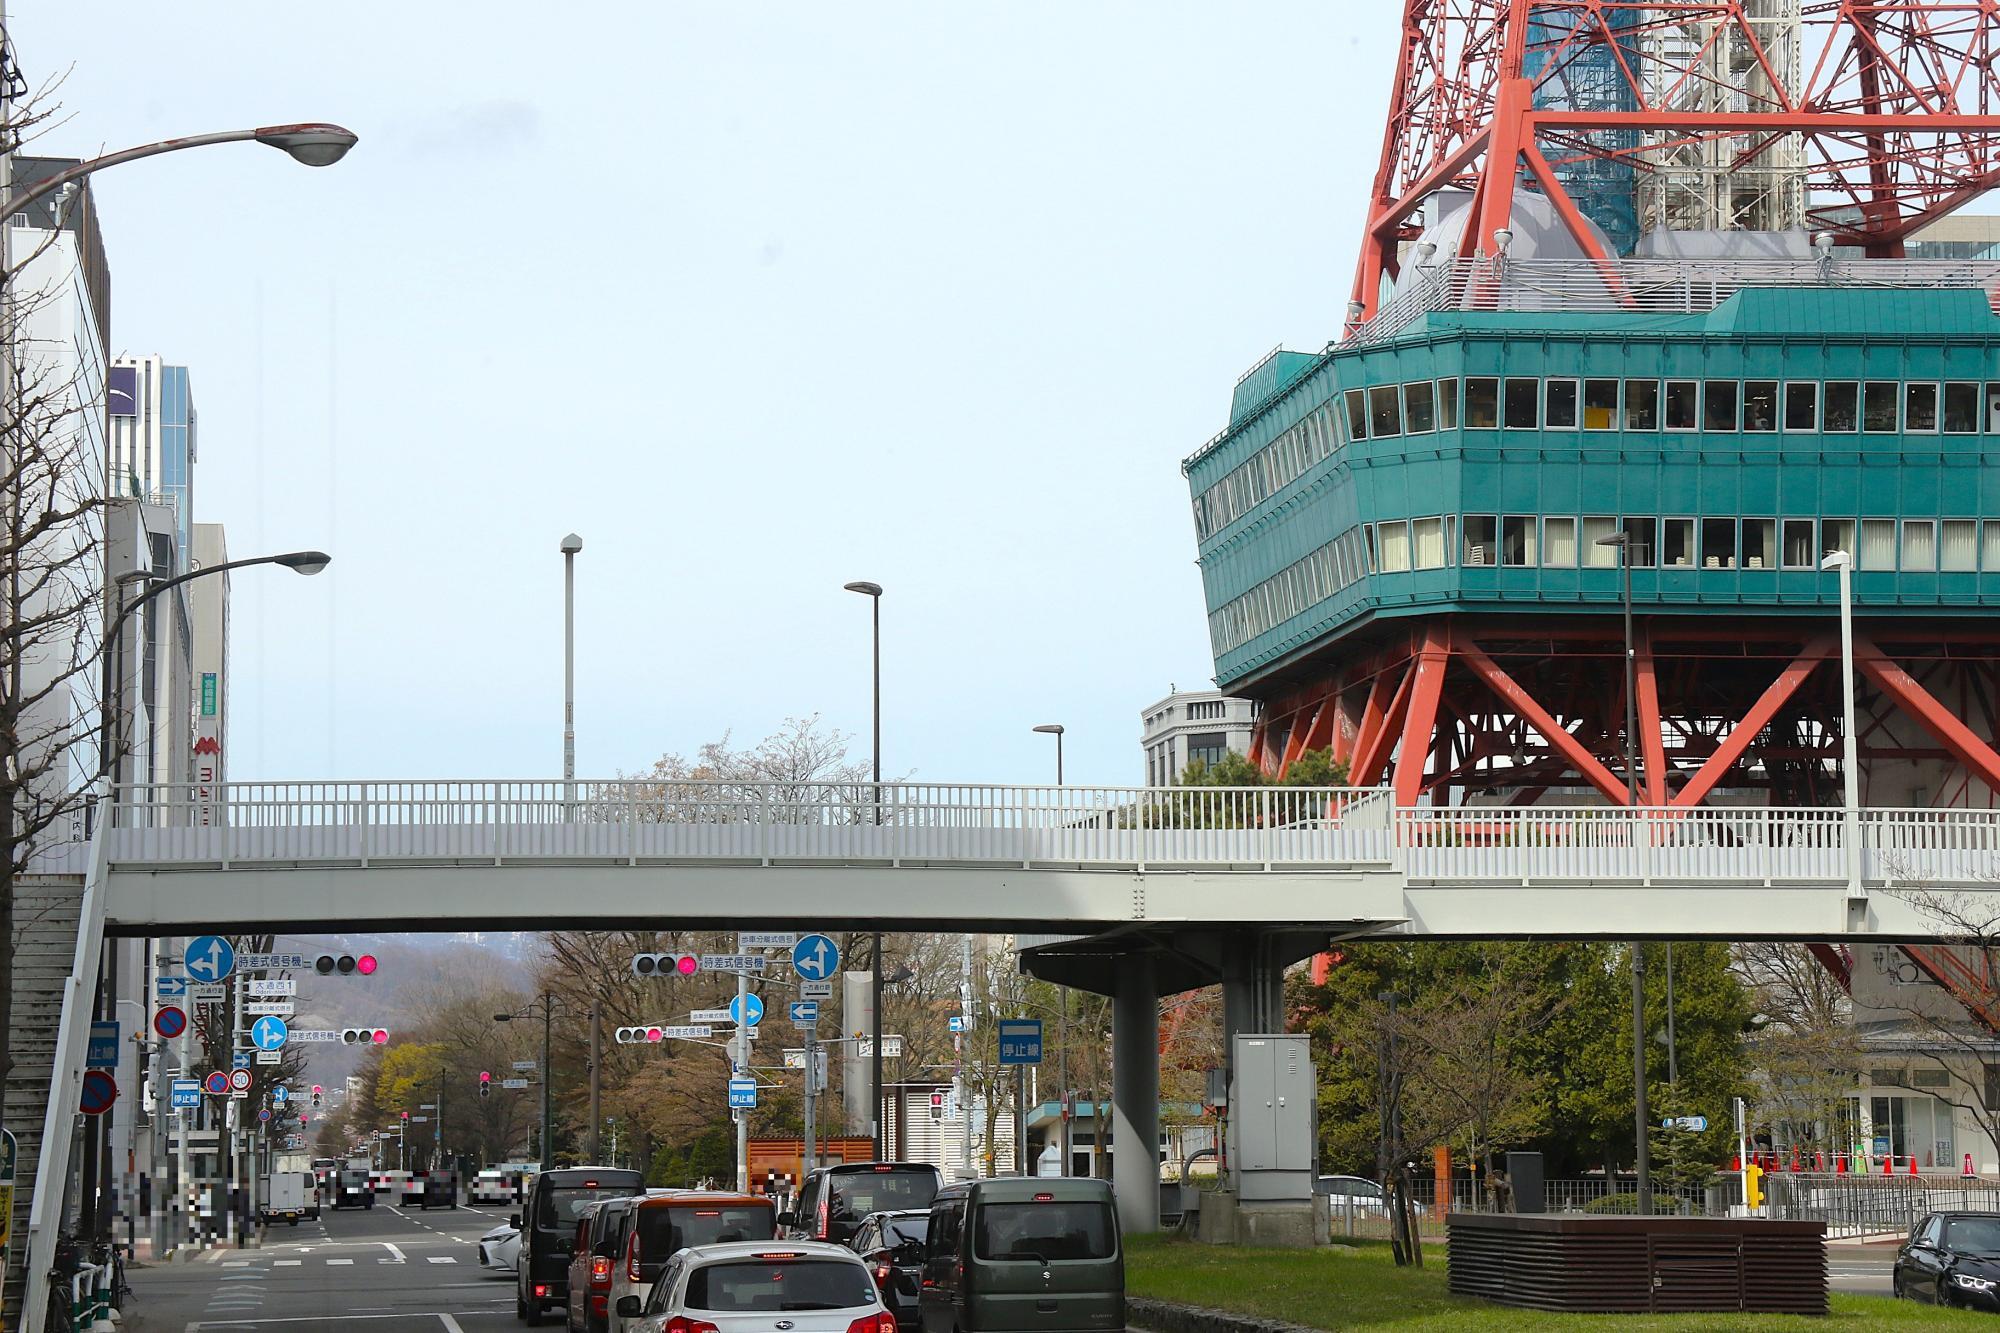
(1753, 1186)
(937, 1106)
(346, 964)
(485, 1083)
(665, 964)
(404, 1114)
(317, 1093)
(638, 1036)
(364, 1036)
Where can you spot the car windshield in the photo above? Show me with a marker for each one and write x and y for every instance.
(561, 1205)
(665, 1230)
(855, 1194)
(1067, 1229)
(760, 1286)
(1973, 1235)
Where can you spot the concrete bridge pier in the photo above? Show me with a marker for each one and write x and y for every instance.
(1135, 1095)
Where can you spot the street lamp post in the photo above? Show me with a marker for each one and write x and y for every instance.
(1850, 763)
(109, 742)
(1055, 729)
(873, 592)
(1641, 1116)
(547, 1005)
(314, 144)
(570, 546)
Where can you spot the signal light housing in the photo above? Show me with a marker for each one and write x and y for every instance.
(364, 1036)
(346, 964)
(638, 1036)
(669, 965)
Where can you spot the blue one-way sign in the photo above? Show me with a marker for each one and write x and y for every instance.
(804, 1013)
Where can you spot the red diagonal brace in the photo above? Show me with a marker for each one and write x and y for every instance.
(1753, 722)
(1837, 961)
(1420, 718)
(1538, 717)
(1652, 753)
(1934, 717)
(1371, 749)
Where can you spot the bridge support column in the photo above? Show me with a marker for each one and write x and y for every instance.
(1135, 1096)
(1253, 988)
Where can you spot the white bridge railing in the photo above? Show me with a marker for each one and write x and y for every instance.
(256, 823)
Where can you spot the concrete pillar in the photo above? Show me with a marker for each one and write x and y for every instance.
(1253, 990)
(1135, 1096)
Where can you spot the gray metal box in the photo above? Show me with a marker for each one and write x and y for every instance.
(1273, 1119)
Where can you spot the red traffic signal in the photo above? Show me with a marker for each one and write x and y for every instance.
(317, 1089)
(404, 1114)
(365, 965)
(346, 964)
(485, 1076)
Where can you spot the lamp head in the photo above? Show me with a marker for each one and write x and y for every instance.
(316, 145)
(503, 1018)
(305, 562)
(865, 588)
(572, 544)
(1050, 729)
(134, 576)
(1615, 539)
(1835, 560)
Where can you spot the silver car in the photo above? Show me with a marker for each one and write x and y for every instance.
(500, 1249)
(798, 1286)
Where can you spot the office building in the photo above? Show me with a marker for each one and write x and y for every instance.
(1190, 726)
(153, 440)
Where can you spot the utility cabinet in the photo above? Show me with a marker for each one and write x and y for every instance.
(1273, 1117)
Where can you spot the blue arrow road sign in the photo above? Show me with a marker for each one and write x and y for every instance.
(747, 1010)
(239, 1060)
(1020, 1041)
(804, 1013)
(278, 1094)
(269, 1033)
(815, 957)
(170, 988)
(210, 958)
(187, 1093)
(103, 1052)
(743, 1094)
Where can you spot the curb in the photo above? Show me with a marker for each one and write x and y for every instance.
(1172, 1317)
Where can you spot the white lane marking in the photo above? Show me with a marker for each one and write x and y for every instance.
(443, 1259)
(371, 1312)
(450, 1324)
(335, 1263)
(245, 1263)
(286, 1263)
(396, 1254)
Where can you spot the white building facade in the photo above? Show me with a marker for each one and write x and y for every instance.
(1193, 725)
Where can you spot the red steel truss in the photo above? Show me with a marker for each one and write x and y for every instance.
(1887, 110)
(1462, 706)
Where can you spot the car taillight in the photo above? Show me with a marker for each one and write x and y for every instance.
(822, 1216)
(541, 1290)
(632, 1258)
(680, 1323)
(600, 1271)
(874, 1323)
(882, 1275)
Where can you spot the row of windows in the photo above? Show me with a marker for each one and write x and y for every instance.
(1562, 541)
(1754, 406)
(1306, 582)
(1880, 407)
(1264, 472)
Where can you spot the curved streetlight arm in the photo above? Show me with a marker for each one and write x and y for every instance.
(288, 137)
(303, 561)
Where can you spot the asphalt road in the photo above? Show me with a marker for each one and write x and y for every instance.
(1863, 1269)
(380, 1270)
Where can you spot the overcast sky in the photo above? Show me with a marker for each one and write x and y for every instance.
(758, 299)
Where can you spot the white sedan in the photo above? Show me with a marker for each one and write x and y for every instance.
(500, 1249)
(812, 1287)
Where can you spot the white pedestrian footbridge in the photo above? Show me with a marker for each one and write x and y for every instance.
(447, 854)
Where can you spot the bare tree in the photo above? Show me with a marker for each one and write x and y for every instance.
(1804, 1054)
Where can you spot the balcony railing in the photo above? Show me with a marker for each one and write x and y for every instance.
(1233, 828)
(1648, 286)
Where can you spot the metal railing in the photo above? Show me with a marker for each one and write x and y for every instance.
(1225, 827)
(639, 820)
(1650, 286)
(1872, 1205)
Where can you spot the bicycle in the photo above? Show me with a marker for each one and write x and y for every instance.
(61, 1316)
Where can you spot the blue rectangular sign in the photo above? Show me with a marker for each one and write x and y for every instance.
(742, 1093)
(103, 1053)
(187, 1093)
(170, 988)
(1020, 1041)
(804, 1013)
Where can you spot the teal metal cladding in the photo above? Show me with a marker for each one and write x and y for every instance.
(1910, 498)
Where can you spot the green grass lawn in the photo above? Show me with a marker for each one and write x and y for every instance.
(1363, 1288)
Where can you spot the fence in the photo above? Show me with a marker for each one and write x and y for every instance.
(1872, 1205)
(1364, 1216)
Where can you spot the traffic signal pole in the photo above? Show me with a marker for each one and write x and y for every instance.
(548, 1082)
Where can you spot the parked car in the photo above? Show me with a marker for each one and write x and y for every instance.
(491, 1186)
(1367, 1195)
(500, 1248)
(892, 1245)
(751, 1287)
(665, 1222)
(547, 1222)
(592, 1262)
(1023, 1253)
(1951, 1258)
(834, 1199)
(440, 1189)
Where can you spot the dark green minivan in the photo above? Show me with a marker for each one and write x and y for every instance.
(1023, 1255)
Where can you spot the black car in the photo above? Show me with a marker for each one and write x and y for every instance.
(1951, 1259)
(893, 1245)
(834, 1199)
(547, 1223)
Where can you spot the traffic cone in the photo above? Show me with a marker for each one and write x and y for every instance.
(1735, 1162)
(1913, 1164)
(1889, 1165)
(1819, 1161)
(1840, 1164)
(1795, 1159)
(1968, 1171)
